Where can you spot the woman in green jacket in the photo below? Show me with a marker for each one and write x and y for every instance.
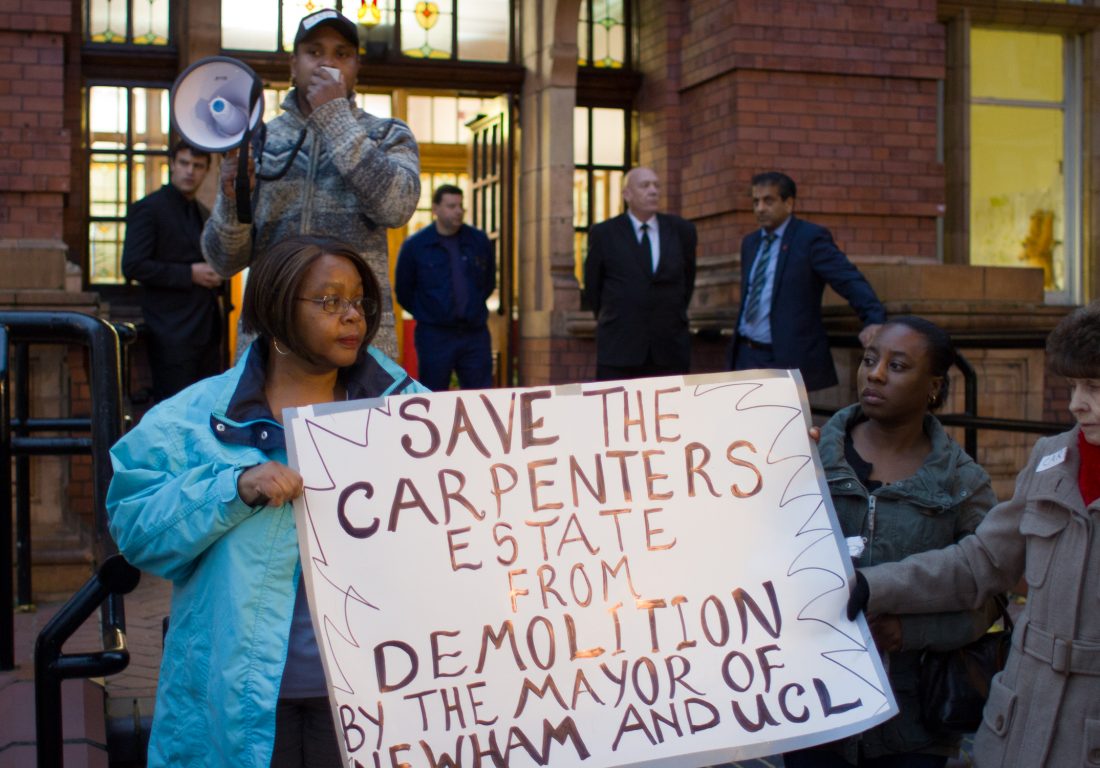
(900, 485)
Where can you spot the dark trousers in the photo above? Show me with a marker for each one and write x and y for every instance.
(747, 358)
(648, 368)
(823, 758)
(305, 736)
(468, 352)
(174, 369)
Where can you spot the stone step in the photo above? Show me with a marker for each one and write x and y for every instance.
(83, 729)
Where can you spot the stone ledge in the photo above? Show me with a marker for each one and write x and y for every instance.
(950, 282)
(26, 263)
(87, 302)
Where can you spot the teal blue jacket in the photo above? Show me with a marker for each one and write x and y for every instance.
(174, 512)
(942, 502)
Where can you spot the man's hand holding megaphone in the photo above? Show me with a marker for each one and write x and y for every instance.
(227, 174)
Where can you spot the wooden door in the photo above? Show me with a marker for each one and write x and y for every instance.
(492, 210)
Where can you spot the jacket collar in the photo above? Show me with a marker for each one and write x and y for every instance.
(290, 106)
(432, 236)
(781, 230)
(1058, 481)
(242, 415)
(931, 486)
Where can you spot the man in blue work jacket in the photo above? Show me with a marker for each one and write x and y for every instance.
(445, 273)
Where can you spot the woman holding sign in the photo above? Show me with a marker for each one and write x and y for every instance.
(901, 485)
(202, 495)
(1044, 708)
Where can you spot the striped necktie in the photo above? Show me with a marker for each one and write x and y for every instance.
(755, 299)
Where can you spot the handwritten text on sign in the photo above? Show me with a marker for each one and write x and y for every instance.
(606, 574)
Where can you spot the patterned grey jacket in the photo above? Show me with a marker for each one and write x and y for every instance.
(355, 176)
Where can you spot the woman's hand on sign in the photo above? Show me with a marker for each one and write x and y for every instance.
(270, 484)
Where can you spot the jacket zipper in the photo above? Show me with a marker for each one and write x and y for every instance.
(871, 500)
(305, 227)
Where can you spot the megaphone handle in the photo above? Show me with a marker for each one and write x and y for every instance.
(241, 184)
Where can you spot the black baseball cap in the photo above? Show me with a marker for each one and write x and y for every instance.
(330, 18)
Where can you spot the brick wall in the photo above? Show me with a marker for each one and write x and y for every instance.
(840, 95)
(1056, 399)
(34, 144)
(556, 360)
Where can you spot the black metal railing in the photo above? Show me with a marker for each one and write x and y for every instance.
(20, 437)
(969, 419)
(18, 441)
(7, 616)
(115, 578)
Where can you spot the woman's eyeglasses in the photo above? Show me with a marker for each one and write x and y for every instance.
(338, 305)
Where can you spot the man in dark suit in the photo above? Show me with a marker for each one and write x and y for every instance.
(785, 266)
(180, 298)
(638, 280)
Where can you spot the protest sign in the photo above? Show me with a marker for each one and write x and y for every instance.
(615, 573)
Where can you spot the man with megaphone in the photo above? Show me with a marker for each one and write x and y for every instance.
(326, 167)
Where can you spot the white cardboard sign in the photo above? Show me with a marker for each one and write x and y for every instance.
(642, 572)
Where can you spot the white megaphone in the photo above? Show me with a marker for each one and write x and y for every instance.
(217, 104)
(211, 101)
(229, 119)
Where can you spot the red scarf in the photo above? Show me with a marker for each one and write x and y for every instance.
(1088, 478)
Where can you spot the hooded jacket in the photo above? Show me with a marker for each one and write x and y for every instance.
(174, 510)
(941, 503)
(1044, 708)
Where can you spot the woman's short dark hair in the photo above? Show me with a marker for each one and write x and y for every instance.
(1073, 347)
(275, 283)
(941, 350)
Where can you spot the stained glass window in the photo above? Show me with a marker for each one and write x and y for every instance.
(471, 30)
(135, 22)
(128, 138)
(602, 35)
(1022, 188)
(426, 29)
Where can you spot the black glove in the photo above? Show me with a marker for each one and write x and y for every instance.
(857, 599)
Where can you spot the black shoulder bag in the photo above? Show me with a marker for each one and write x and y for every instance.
(955, 684)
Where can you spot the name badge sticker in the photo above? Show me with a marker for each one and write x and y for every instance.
(1051, 460)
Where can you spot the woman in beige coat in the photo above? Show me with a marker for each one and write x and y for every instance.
(1044, 708)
